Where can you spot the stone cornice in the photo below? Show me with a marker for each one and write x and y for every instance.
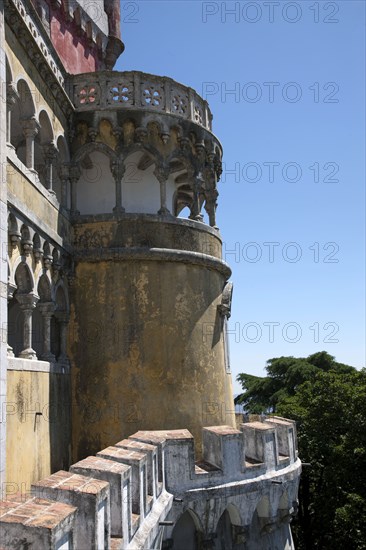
(21, 17)
(152, 254)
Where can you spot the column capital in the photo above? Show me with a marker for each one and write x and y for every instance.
(62, 316)
(50, 151)
(74, 173)
(27, 302)
(30, 127)
(11, 289)
(118, 169)
(46, 308)
(64, 171)
(11, 94)
(162, 173)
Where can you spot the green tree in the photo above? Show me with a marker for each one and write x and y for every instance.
(328, 401)
(331, 416)
(285, 374)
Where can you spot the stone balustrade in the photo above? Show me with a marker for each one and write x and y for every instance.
(130, 492)
(134, 90)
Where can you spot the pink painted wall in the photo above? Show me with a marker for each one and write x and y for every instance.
(75, 53)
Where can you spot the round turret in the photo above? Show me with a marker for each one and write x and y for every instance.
(149, 307)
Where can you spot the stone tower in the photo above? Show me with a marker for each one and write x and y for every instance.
(150, 296)
(114, 304)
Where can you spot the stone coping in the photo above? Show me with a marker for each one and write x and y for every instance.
(136, 445)
(34, 512)
(102, 464)
(123, 455)
(68, 481)
(33, 365)
(258, 426)
(153, 254)
(222, 430)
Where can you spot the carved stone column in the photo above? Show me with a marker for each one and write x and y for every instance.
(11, 99)
(162, 175)
(74, 178)
(27, 303)
(63, 320)
(118, 170)
(11, 289)
(64, 174)
(197, 184)
(50, 156)
(47, 309)
(30, 130)
(213, 172)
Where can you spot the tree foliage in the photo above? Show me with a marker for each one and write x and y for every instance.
(285, 374)
(328, 401)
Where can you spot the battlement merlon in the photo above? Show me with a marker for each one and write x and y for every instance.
(130, 489)
(229, 455)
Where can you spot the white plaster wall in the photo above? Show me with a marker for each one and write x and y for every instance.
(96, 187)
(140, 188)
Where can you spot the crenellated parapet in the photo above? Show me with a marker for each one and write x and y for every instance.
(148, 487)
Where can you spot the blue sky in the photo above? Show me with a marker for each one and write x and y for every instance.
(292, 196)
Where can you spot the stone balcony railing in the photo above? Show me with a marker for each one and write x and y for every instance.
(134, 90)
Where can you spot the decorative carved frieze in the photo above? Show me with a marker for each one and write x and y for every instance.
(39, 48)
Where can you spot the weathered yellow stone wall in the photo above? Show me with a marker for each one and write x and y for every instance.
(147, 348)
(21, 190)
(37, 445)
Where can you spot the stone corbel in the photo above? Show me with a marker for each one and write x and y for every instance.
(211, 192)
(211, 205)
(200, 149)
(57, 261)
(268, 524)
(140, 134)
(15, 237)
(92, 132)
(240, 534)
(226, 300)
(285, 515)
(27, 245)
(184, 144)
(38, 254)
